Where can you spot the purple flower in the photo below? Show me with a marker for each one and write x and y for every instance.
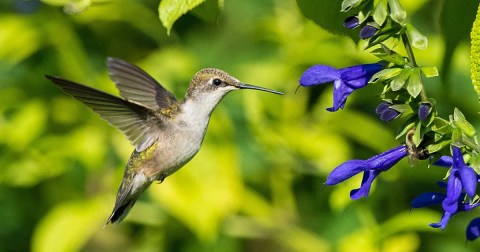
(423, 111)
(461, 178)
(473, 229)
(444, 161)
(461, 207)
(432, 198)
(371, 168)
(345, 80)
(385, 112)
(427, 199)
(368, 31)
(351, 22)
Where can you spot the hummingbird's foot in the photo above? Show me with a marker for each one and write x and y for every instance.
(161, 178)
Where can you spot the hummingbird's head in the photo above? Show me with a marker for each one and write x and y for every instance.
(213, 84)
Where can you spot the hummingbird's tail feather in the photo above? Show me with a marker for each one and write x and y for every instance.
(130, 189)
(119, 213)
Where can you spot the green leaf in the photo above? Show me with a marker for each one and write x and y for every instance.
(405, 127)
(441, 126)
(380, 12)
(462, 123)
(399, 81)
(385, 53)
(457, 137)
(402, 108)
(363, 15)
(475, 54)
(418, 135)
(385, 74)
(417, 39)
(429, 71)
(397, 13)
(415, 86)
(208, 11)
(326, 14)
(171, 10)
(432, 148)
(349, 4)
(383, 35)
(475, 163)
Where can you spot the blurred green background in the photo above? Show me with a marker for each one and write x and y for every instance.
(257, 182)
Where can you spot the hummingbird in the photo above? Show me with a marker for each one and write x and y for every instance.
(166, 133)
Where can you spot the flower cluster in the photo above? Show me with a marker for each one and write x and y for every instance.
(460, 189)
(427, 135)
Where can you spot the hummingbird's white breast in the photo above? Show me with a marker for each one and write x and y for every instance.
(182, 138)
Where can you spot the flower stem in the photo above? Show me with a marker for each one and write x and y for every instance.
(411, 57)
(408, 48)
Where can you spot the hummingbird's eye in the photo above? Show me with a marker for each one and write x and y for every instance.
(217, 82)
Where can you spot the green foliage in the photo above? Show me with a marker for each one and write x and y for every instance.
(170, 10)
(325, 13)
(257, 182)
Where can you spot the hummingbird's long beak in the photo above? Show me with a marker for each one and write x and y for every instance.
(248, 86)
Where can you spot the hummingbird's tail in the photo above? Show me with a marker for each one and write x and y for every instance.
(119, 213)
(129, 191)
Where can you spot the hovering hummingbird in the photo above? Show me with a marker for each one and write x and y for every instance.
(166, 133)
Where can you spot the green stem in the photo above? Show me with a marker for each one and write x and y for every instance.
(413, 62)
(408, 48)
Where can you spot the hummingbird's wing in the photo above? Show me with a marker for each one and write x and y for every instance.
(138, 123)
(137, 86)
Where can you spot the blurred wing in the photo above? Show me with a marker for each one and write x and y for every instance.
(137, 86)
(138, 123)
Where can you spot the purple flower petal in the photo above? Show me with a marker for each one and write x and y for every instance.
(469, 180)
(473, 229)
(382, 107)
(389, 115)
(358, 76)
(368, 31)
(465, 207)
(364, 190)
(443, 222)
(319, 74)
(386, 160)
(454, 190)
(427, 199)
(423, 111)
(346, 170)
(457, 157)
(340, 95)
(351, 22)
(444, 161)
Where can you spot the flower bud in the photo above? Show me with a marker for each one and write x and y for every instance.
(424, 111)
(351, 22)
(386, 113)
(368, 31)
(397, 13)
